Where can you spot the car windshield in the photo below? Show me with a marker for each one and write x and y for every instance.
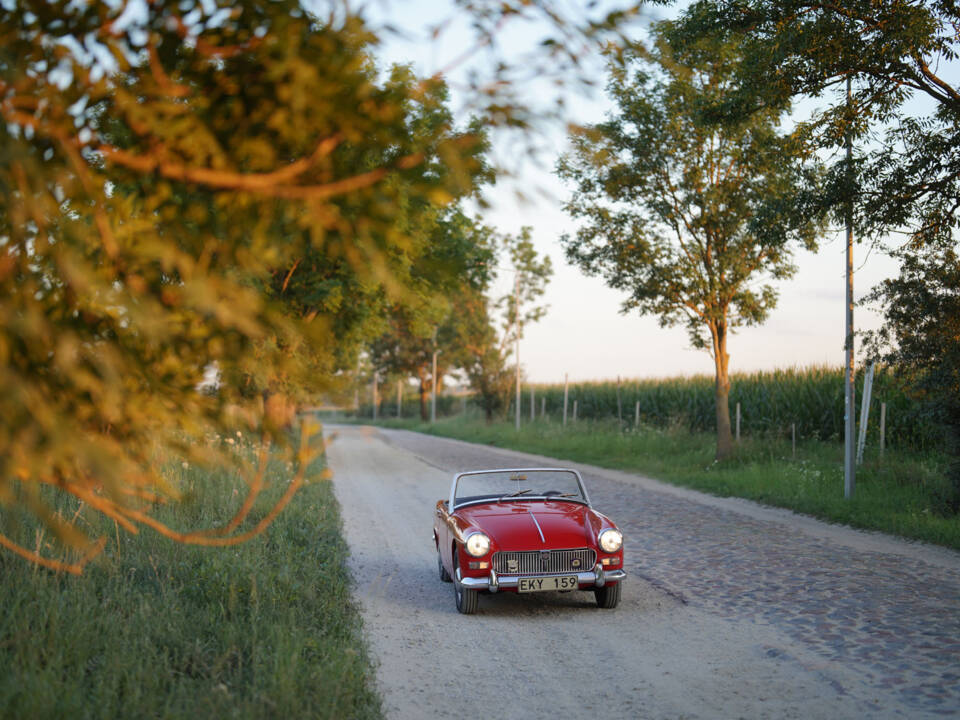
(502, 485)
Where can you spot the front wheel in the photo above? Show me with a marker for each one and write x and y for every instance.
(608, 597)
(467, 599)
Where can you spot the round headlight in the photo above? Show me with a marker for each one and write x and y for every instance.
(477, 544)
(611, 540)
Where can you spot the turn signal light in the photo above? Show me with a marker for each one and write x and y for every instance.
(610, 561)
(479, 564)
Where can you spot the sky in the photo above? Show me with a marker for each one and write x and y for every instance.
(584, 336)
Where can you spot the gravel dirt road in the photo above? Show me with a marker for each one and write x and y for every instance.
(731, 610)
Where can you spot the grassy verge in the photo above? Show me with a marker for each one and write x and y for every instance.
(157, 629)
(902, 495)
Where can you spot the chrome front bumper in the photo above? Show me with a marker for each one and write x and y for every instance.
(598, 577)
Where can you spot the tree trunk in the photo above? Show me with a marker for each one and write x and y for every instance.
(721, 359)
(422, 377)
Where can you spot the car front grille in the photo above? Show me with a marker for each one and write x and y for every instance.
(544, 562)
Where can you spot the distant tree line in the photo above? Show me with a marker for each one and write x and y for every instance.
(471, 331)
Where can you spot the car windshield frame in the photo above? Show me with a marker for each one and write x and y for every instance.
(497, 497)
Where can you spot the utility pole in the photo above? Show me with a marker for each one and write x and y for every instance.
(849, 402)
(516, 322)
(883, 427)
(356, 389)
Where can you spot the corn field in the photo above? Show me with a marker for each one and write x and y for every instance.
(770, 403)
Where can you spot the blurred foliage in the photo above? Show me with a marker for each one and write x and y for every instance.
(199, 189)
(691, 220)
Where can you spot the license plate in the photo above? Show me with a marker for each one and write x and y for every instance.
(566, 582)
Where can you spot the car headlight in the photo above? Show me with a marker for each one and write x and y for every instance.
(477, 544)
(611, 540)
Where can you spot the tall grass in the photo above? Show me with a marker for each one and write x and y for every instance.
(156, 629)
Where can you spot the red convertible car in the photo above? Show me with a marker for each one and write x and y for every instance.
(529, 530)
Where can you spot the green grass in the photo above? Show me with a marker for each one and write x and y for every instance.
(903, 494)
(157, 629)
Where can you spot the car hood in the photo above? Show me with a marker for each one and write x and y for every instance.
(513, 525)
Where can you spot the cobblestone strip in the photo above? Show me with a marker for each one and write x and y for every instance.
(895, 620)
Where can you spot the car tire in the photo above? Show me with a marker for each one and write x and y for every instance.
(608, 597)
(467, 599)
(444, 575)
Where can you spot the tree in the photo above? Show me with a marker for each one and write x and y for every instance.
(453, 313)
(894, 51)
(486, 368)
(486, 351)
(920, 339)
(685, 216)
(455, 264)
(162, 167)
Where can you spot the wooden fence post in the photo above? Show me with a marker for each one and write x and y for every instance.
(793, 434)
(865, 412)
(738, 422)
(883, 427)
(566, 395)
(619, 406)
(533, 405)
(636, 415)
(543, 407)
(574, 410)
